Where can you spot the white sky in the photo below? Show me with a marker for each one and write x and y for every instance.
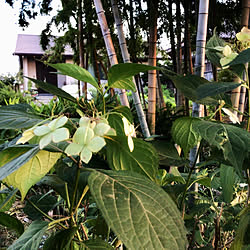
(9, 30)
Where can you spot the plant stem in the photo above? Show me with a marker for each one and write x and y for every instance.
(44, 214)
(189, 176)
(248, 90)
(74, 193)
(80, 200)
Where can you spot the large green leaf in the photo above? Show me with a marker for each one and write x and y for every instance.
(11, 159)
(53, 90)
(143, 159)
(233, 141)
(7, 199)
(213, 55)
(213, 89)
(96, 244)
(32, 171)
(242, 234)
(32, 236)
(60, 240)
(11, 223)
(189, 84)
(120, 75)
(115, 122)
(242, 58)
(227, 178)
(168, 155)
(183, 133)
(140, 212)
(18, 116)
(44, 202)
(76, 72)
(124, 111)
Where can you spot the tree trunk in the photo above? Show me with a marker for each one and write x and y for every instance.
(109, 45)
(244, 23)
(126, 59)
(200, 48)
(152, 80)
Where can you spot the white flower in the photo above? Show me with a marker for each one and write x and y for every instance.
(129, 132)
(52, 132)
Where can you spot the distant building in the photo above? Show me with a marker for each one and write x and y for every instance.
(30, 53)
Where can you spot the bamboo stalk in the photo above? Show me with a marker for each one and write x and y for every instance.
(126, 59)
(200, 48)
(152, 80)
(244, 23)
(109, 45)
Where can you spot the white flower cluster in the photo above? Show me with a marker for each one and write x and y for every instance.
(88, 138)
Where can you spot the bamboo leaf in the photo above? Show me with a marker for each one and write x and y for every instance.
(53, 89)
(76, 72)
(140, 212)
(213, 89)
(227, 178)
(18, 116)
(11, 223)
(32, 171)
(120, 75)
(143, 159)
(183, 133)
(32, 236)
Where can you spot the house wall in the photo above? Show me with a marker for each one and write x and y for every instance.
(63, 80)
(29, 69)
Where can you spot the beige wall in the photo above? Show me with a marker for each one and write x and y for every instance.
(29, 69)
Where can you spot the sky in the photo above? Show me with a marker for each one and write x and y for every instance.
(9, 30)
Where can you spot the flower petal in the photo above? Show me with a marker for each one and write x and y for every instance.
(111, 132)
(84, 121)
(45, 140)
(101, 129)
(60, 134)
(83, 135)
(27, 135)
(227, 51)
(73, 149)
(86, 155)
(57, 123)
(130, 143)
(96, 144)
(41, 130)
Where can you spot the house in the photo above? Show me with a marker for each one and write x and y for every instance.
(30, 52)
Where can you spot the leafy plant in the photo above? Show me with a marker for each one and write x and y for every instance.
(103, 177)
